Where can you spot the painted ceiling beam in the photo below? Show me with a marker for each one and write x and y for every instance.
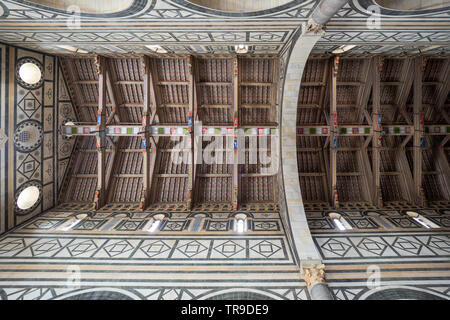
(169, 130)
(363, 130)
(333, 132)
(148, 146)
(236, 101)
(100, 133)
(192, 76)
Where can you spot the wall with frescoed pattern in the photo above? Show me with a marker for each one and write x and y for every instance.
(32, 151)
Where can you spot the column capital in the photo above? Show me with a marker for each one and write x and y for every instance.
(313, 274)
(313, 27)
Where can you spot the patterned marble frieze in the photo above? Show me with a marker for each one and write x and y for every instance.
(183, 27)
(378, 220)
(32, 151)
(111, 256)
(386, 255)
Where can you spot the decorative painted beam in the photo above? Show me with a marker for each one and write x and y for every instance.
(168, 130)
(100, 194)
(437, 130)
(236, 100)
(333, 132)
(192, 111)
(360, 130)
(148, 146)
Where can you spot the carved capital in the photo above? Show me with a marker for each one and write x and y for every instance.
(313, 275)
(313, 27)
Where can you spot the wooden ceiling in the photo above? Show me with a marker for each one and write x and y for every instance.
(365, 88)
(218, 91)
(213, 90)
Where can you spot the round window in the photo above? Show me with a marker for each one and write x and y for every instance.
(30, 73)
(28, 198)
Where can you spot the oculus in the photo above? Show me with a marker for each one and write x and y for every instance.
(29, 73)
(28, 197)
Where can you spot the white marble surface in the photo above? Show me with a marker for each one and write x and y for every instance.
(303, 242)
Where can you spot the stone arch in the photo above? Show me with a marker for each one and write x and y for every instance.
(99, 294)
(401, 293)
(247, 9)
(240, 294)
(88, 8)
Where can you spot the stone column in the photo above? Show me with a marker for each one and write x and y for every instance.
(314, 276)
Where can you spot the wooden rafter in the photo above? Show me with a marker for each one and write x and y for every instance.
(236, 123)
(148, 145)
(418, 131)
(406, 81)
(333, 132)
(443, 89)
(119, 116)
(100, 194)
(377, 199)
(193, 77)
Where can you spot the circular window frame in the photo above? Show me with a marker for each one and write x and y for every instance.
(20, 81)
(23, 212)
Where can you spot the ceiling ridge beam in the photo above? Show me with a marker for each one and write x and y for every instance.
(148, 145)
(377, 198)
(100, 193)
(333, 132)
(236, 101)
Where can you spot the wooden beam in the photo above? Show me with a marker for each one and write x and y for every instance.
(407, 77)
(100, 194)
(191, 116)
(442, 90)
(364, 91)
(112, 95)
(377, 199)
(234, 191)
(333, 132)
(148, 146)
(323, 96)
(418, 131)
(155, 93)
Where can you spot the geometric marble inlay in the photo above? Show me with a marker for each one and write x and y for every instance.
(3, 138)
